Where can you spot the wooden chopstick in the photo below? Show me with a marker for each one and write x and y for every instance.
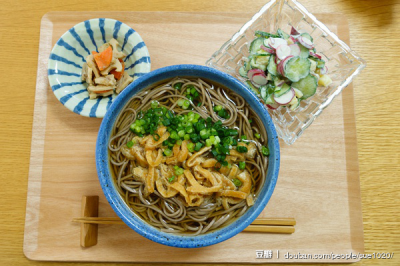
(261, 225)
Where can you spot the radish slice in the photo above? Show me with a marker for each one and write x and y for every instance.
(283, 51)
(281, 65)
(269, 50)
(253, 72)
(293, 39)
(285, 98)
(293, 31)
(323, 70)
(259, 79)
(294, 49)
(305, 42)
(273, 106)
(315, 55)
(275, 42)
(280, 83)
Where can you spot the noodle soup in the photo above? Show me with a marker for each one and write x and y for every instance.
(188, 156)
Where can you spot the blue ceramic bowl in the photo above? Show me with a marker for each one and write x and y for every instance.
(116, 201)
(69, 53)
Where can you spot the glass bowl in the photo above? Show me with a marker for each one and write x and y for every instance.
(343, 63)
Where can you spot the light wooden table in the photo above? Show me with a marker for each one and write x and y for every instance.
(374, 32)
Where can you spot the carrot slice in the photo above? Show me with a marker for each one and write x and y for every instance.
(118, 75)
(94, 52)
(103, 59)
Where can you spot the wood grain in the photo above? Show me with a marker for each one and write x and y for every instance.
(325, 155)
(372, 27)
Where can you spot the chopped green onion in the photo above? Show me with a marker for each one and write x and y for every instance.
(217, 108)
(243, 137)
(156, 137)
(199, 104)
(237, 182)
(265, 151)
(154, 104)
(250, 121)
(171, 179)
(186, 137)
(257, 135)
(204, 133)
(242, 165)
(179, 142)
(176, 167)
(186, 104)
(130, 144)
(198, 146)
(167, 152)
(179, 171)
(190, 147)
(209, 142)
(174, 135)
(241, 149)
(178, 86)
(181, 133)
(180, 102)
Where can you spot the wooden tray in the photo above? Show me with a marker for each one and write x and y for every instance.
(318, 183)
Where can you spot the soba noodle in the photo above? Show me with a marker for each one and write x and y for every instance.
(173, 214)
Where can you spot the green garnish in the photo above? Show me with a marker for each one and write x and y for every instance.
(190, 147)
(242, 165)
(167, 152)
(178, 86)
(171, 179)
(241, 149)
(250, 121)
(130, 144)
(217, 108)
(156, 137)
(179, 171)
(198, 146)
(257, 135)
(265, 151)
(154, 104)
(243, 137)
(237, 182)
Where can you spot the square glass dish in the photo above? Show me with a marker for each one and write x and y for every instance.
(343, 63)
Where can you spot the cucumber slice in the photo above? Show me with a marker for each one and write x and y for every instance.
(254, 64)
(320, 63)
(251, 87)
(313, 65)
(283, 34)
(307, 86)
(308, 36)
(243, 72)
(263, 34)
(264, 92)
(272, 67)
(270, 99)
(297, 68)
(255, 45)
(304, 52)
(284, 89)
(247, 66)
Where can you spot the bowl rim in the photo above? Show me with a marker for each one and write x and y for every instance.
(116, 201)
(53, 78)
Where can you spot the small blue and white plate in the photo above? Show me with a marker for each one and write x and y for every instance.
(69, 53)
